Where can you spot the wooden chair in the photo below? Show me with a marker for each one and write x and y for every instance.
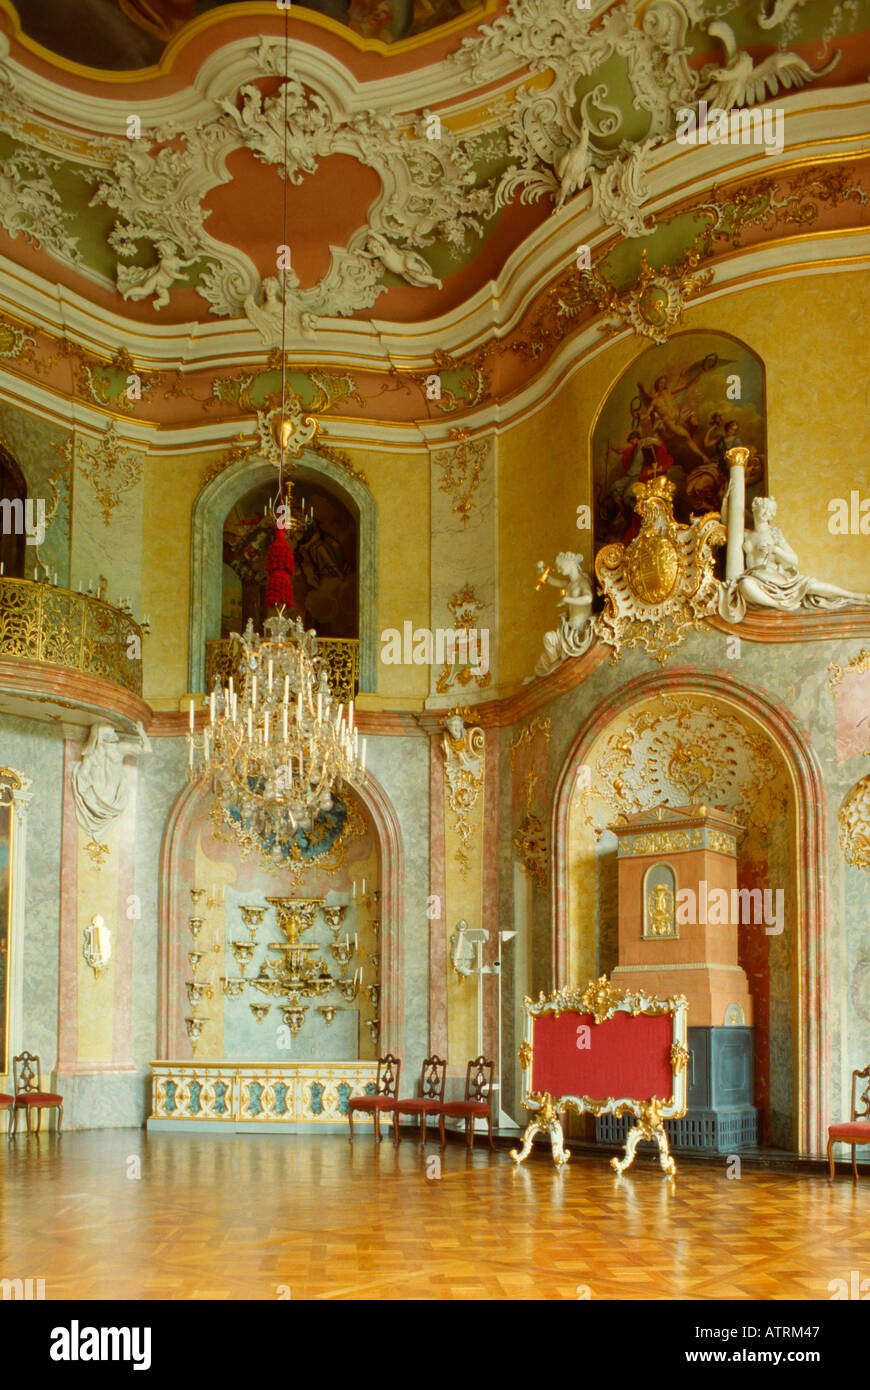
(385, 1095)
(477, 1103)
(29, 1095)
(857, 1130)
(8, 1103)
(430, 1099)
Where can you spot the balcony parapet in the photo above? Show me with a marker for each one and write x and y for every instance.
(57, 627)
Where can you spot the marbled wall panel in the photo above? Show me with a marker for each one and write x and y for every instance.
(36, 750)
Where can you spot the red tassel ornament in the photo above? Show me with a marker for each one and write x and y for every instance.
(280, 564)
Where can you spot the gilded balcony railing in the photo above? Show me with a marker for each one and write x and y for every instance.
(341, 655)
(39, 622)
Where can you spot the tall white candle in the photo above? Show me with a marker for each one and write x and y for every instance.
(250, 727)
(191, 716)
(362, 759)
(211, 707)
(353, 890)
(350, 715)
(254, 693)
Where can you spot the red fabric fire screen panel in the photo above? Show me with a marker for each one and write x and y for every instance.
(626, 1056)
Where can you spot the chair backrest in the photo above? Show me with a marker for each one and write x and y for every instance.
(25, 1075)
(478, 1080)
(861, 1102)
(433, 1078)
(388, 1075)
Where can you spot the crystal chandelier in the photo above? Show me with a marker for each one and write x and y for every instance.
(276, 748)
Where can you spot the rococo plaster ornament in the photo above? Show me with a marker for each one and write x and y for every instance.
(431, 188)
(662, 583)
(557, 145)
(463, 749)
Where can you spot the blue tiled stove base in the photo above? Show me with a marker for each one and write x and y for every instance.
(721, 1116)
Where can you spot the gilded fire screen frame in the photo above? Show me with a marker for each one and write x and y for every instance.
(602, 1000)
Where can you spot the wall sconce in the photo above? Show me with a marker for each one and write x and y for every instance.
(97, 945)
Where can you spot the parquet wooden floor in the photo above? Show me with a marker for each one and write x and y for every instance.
(315, 1217)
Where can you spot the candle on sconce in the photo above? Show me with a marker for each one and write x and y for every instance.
(356, 941)
(250, 727)
(191, 716)
(211, 707)
(362, 758)
(363, 887)
(286, 689)
(353, 890)
(254, 691)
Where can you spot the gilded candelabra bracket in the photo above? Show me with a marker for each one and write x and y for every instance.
(662, 583)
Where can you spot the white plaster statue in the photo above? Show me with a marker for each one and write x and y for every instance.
(134, 282)
(407, 264)
(771, 579)
(575, 632)
(98, 782)
(269, 316)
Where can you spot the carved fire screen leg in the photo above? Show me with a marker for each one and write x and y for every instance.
(649, 1126)
(544, 1121)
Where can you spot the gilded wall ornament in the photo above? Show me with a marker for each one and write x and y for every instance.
(662, 584)
(861, 662)
(854, 820)
(653, 305)
(461, 471)
(460, 667)
(463, 749)
(530, 841)
(684, 748)
(526, 734)
(110, 468)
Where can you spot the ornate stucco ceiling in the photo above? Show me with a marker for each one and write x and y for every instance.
(437, 190)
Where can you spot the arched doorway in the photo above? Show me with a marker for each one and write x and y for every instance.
(683, 739)
(13, 541)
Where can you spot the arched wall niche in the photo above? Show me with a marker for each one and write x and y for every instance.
(178, 855)
(210, 511)
(702, 366)
(655, 740)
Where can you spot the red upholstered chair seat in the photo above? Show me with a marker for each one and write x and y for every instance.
(371, 1103)
(858, 1130)
(417, 1105)
(458, 1108)
(6, 1101)
(39, 1098)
